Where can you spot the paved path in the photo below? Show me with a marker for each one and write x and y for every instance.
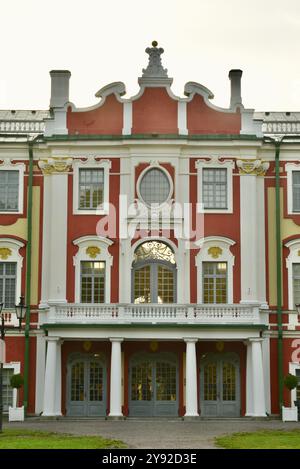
(156, 433)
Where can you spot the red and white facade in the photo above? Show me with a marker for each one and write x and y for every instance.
(142, 311)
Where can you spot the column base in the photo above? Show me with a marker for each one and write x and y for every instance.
(53, 416)
(191, 417)
(116, 417)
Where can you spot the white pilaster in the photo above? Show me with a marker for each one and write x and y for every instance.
(50, 390)
(58, 238)
(40, 372)
(116, 379)
(127, 118)
(261, 242)
(249, 247)
(249, 386)
(259, 406)
(46, 242)
(182, 118)
(191, 379)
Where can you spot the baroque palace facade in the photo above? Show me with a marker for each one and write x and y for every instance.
(156, 240)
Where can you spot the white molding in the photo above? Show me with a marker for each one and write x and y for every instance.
(103, 244)
(154, 164)
(225, 256)
(91, 163)
(292, 369)
(14, 245)
(16, 366)
(292, 258)
(7, 165)
(214, 162)
(289, 168)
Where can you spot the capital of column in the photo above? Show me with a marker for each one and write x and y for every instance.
(252, 167)
(255, 339)
(116, 339)
(190, 340)
(53, 339)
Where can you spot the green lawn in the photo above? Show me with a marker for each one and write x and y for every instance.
(27, 439)
(261, 440)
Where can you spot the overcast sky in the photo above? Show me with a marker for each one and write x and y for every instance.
(101, 41)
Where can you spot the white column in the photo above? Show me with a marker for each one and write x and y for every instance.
(50, 392)
(40, 371)
(259, 405)
(249, 247)
(116, 379)
(58, 379)
(249, 387)
(191, 403)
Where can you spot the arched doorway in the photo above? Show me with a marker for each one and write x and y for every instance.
(153, 385)
(86, 386)
(154, 273)
(220, 385)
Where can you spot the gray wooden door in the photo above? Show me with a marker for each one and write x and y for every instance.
(86, 391)
(220, 385)
(153, 385)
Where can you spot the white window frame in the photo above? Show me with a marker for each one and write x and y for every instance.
(16, 366)
(103, 244)
(289, 168)
(204, 256)
(7, 165)
(214, 163)
(91, 164)
(293, 258)
(14, 246)
(292, 369)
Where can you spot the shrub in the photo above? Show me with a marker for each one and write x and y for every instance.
(290, 381)
(16, 381)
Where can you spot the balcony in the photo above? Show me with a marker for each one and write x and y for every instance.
(152, 314)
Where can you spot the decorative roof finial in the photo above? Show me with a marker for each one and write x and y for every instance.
(155, 68)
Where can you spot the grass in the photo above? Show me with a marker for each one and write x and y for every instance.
(27, 439)
(267, 439)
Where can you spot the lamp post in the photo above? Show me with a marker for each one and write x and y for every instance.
(20, 313)
(298, 308)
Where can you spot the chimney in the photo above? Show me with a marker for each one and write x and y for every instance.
(235, 78)
(59, 87)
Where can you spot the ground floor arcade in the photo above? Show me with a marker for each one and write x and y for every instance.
(126, 376)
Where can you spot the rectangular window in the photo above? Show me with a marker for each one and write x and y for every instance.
(9, 191)
(8, 272)
(296, 191)
(214, 282)
(214, 188)
(92, 282)
(296, 283)
(7, 390)
(91, 188)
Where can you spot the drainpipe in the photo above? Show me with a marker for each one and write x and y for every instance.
(28, 272)
(279, 274)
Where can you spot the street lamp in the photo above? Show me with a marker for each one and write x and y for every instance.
(298, 308)
(20, 312)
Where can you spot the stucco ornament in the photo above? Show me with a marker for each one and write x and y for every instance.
(215, 251)
(155, 68)
(5, 253)
(252, 167)
(55, 165)
(93, 251)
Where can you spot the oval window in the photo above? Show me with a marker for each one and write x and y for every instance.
(155, 187)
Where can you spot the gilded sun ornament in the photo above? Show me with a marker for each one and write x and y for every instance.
(5, 253)
(93, 251)
(215, 252)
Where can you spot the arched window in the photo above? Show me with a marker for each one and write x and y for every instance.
(154, 273)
